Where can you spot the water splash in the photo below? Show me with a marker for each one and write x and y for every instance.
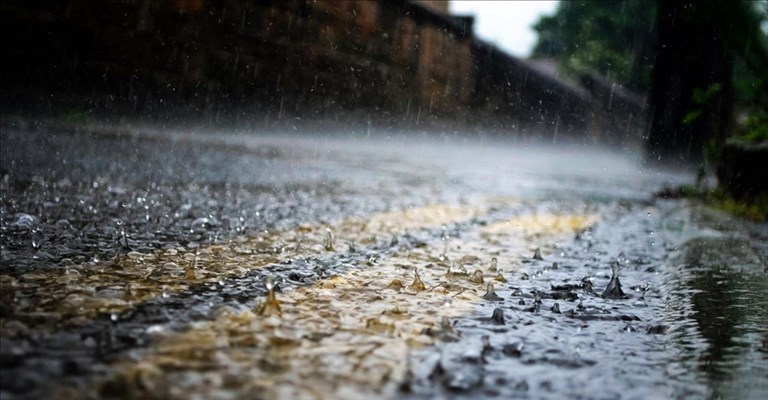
(396, 285)
(417, 285)
(494, 265)
(497, 317)
(477, 277)
(490, 294)
(329, 240)
(613, 290)
(444, 254)
(270, 306)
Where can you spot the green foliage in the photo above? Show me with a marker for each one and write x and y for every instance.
(756, 128)
(701, 97)
(711, 151)
(614, 38)
(749, 42)
(692, 116)
(755, 209)
(75, 116)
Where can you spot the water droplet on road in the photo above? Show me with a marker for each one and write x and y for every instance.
(270, 306)
(329, 240)
(477, 277)
(490, 294)
(417, 284)
(613, 290)
(498, 316)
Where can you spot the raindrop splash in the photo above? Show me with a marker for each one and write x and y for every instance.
(270, 306)
(497, 317)
(329, 239)
(490, 294)
(417, 285)
(494, 265)
(477, 277)
(613, 290)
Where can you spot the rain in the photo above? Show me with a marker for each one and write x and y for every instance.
(319, 199)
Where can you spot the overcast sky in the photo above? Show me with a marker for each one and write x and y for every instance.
(507, 24)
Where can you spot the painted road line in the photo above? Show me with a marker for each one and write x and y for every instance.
(57, 298)
(348, 336)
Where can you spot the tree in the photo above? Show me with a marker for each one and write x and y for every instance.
(613, 38)
(692, 96)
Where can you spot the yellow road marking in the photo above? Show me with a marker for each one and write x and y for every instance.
(49, 299)
(345, 337)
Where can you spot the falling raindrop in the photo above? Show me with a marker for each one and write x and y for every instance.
(444, 255)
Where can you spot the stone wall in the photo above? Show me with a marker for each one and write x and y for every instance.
(386, 62)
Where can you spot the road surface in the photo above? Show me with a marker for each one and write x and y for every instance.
(160, 263)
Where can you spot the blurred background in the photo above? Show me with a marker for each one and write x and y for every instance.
(572, 69)
(684, 83)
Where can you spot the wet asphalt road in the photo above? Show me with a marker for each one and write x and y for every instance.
(135, 264)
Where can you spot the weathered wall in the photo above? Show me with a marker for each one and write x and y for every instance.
(383, 62)
(284, 57)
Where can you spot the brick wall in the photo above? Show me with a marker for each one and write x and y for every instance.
(386, 62)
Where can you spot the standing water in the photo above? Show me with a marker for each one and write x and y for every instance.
(219, 265)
